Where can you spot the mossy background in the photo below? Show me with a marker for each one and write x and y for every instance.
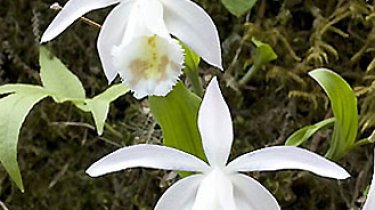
(58, 142)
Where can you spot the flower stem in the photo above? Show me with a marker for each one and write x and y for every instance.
(249, 74)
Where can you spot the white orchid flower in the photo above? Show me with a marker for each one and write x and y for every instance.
(217, 186)
(135, 40)
(370, 202)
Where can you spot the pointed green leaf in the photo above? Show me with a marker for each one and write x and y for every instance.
(238, 7)
(263, 53)
(99, 105)
(262, 56)
(344, 107)
(57, 79)
(13, 111)
(25, 88)
(177, 115)
(112, 93)
(301, 135)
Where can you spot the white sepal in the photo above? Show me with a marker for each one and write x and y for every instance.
(72, 10)
(250, 194)
(215, 125)
(215, 192)
(110, 35)
(148, 156)
(287, 157)
(193, 26)
(180, 195)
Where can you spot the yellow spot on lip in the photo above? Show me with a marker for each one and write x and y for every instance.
(155, 64)
(152, 41)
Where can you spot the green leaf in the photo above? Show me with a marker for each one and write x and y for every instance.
(177, 115)
(56, 78)
(25, 88)
(191, 70)
(303, 134)
(344, 107)
(238, 7)
(13, 111)
(263, 53)
(262, 56)
(192, 59)
(99, 105)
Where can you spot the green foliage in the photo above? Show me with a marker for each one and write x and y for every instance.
(14, 109)
(177, 115)
(303, 134)
(58, 83)
(64, 86)
(238, 7)
(344, 107)
(56, 78)
(262, 56)
(263, 53)
(99, 105)
(192, 60)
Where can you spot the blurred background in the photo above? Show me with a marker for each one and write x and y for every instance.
(58, 142)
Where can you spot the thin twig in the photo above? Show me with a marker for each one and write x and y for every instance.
(56, 6)
(75, 124)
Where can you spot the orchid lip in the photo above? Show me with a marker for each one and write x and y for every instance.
(149, 65)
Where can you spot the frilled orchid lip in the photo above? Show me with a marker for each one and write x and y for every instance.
(149, 65)
(147, 59)
(218, 186)
(131, 23)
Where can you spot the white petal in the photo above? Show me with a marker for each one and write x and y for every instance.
(193, 26)
(215, 193)
(145, 20)
(215, 125)
(153, 17)
(136, 26)
(287, 157)
(370, 202)
(149, 65)
(149, 156)
(250, 194)
(111, 34)
(181, 195)
(72, 10)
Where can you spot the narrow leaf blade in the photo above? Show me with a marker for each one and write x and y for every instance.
(344, 107)
(25, 88)
(177, 115)
(14, 109)
(303, 134)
